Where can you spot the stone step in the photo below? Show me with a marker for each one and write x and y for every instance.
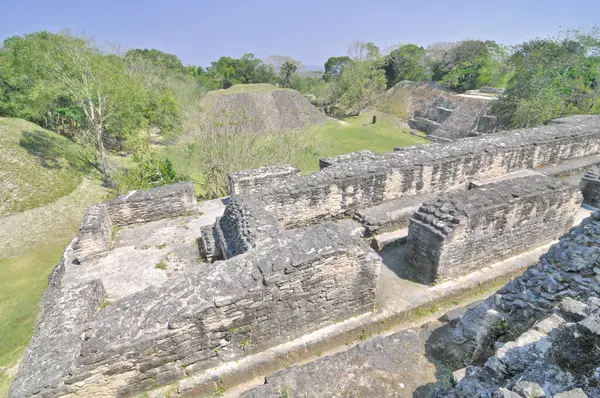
(391, 215)
(426, 125)
(566, 169)
(395, 237)
(509, 176)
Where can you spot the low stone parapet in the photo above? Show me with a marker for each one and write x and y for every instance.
(153, 204)
(94, 237)
(246, 181)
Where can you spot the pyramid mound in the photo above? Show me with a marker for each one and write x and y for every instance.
(37, 166)
(265, 108)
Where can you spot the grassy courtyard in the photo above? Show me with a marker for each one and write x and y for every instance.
(357, 133)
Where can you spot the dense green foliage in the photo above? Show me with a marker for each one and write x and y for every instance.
(461, 66)
(67, 83)
(333, 67)
(227, 71)
(150, 171)
(407, 62)
(553, 77)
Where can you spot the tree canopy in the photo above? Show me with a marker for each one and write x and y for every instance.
(552, 77)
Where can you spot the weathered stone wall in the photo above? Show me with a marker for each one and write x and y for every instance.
(462, 232)
(590, 188)
(568, 269)
(61, 320)
(153, 204)
(557, 357)
(248, 180)
(346, 157)
(94, 237)
(346, 186)
(302, 281)
(244, 225)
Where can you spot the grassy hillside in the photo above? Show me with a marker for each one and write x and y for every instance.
(47, 183)
(37, 166)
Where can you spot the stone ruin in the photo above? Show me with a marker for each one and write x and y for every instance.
(539, 336)
(154, 292)
(446, 235)
(450, 117)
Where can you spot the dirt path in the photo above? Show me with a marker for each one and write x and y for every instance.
(44, 225)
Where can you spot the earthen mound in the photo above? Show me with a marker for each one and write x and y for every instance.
(263, 108)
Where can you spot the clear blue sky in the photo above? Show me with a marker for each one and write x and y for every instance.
(201, 31)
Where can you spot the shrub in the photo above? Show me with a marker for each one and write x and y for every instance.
(150, 171)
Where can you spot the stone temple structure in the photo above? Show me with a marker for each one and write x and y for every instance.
(159, 291)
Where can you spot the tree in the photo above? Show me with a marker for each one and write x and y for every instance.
(149, 171)
(361, 51)
(223, 144)
(157, 57)
(499, 70)
(360, 85)
(333, 67)
(228, 71)
(459, 66)
(553, 77)
(61, 76)
(286, 72)
(406, 62)
(361, 81)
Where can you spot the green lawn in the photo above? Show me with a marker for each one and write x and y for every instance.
(357, 133)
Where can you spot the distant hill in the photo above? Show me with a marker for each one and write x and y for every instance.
(269, 109)
(37, 166)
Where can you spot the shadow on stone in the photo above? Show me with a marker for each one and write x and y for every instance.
(393, 258)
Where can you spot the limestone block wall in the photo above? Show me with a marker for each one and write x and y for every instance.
(557, 357)
(94, 237)
(346, 157)
(302, 281)
(568, 269)
(247, 180)
(244, 224)
(459, 233)
(152, 204)
(590, 188)
(368, 181)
